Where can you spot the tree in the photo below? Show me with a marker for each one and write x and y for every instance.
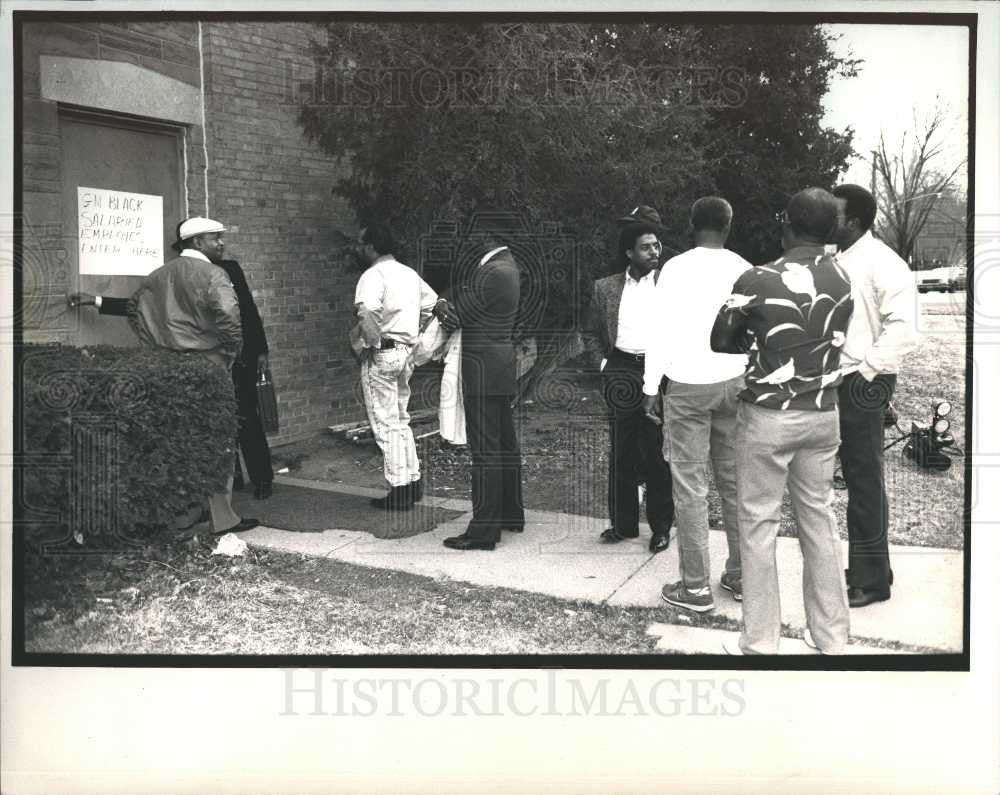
(771, 143)
(908, 184)
(570, 125)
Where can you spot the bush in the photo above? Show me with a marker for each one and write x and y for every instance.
(121, 438)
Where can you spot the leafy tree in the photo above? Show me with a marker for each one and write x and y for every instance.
(570, 124)
(771, 143)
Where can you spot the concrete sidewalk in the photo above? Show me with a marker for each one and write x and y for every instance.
(559, 555)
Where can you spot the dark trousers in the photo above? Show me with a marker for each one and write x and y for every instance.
(250, 436)
(636, 451)
(496, 466)
(862, 437)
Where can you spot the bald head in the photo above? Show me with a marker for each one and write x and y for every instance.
(811, 217)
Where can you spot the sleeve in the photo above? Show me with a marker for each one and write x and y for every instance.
(113, 306)
(368, 297)
(593, 324)
(370, 290)
(428, 299)
(896, 292)
(225, 310)
(661, 336)
(731, 332)
(255, 340)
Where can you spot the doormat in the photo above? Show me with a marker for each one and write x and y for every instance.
(305, 510)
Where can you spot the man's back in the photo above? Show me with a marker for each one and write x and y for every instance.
(396, 295)
(693, 286)
(188, 305)
(797, 309)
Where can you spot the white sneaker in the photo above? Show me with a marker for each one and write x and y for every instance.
(732, 647)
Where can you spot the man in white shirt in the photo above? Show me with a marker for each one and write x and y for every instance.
(699, 409)
(881, 332)
(392, 304)
(619, 328)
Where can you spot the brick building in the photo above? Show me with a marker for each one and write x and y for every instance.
(202, 115)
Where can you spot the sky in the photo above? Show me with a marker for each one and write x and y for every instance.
(905, 67)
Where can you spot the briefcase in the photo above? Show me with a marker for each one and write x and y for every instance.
(267, 403)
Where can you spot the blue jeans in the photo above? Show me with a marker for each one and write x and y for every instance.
(796, 448)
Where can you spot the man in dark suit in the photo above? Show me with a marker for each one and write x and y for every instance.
(616, 335)
(246, 369)
(485, 308)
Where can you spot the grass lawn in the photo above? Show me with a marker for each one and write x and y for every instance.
(173, 597)
(177, 598)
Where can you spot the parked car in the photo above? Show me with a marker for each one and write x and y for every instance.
(957, 280)
(933, 280)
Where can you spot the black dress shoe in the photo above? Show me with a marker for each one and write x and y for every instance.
(399, 498)
(239, 527)
(858, 597)
(612, 536)
(261, 491)
(204, 516)
(659, 542)
(464, 543)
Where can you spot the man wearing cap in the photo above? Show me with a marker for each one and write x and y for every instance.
(189, 305)
(796, 309)
(251, 362)
(882, 332)
(617, 332)
(699, 407)
(392, 304)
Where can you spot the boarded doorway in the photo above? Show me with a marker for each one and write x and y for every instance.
(117, 153)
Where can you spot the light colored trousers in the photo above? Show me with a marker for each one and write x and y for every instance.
(220, 504)
(797, 448)
(700, 422)
(385, 383)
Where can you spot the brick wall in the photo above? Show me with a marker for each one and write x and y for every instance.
(265, 181)
(273, 189)
(170, 49)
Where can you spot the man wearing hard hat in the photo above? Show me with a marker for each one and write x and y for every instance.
(190, 305)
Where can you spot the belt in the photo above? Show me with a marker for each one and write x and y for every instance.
(635, 357)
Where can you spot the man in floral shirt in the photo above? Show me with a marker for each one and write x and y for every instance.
(791, 316)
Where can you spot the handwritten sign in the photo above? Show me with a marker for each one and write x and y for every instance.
(121, 234)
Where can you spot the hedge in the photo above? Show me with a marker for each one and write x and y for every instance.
(118, 439)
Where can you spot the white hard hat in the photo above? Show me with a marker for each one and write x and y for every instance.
(198, 226)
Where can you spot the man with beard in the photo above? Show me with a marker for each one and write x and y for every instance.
(619, 328)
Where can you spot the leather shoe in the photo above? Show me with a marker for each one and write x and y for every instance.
(239, 527)
(659, 542)
(464, 543)
(417, 489)
(261, 491)
(612, 536)
(399, 498)
(858, 597)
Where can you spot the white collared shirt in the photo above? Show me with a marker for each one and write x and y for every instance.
(635, 313)
(396, 297)
(883, 328)
(691, 289)
(490, 254)
(193, 252)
